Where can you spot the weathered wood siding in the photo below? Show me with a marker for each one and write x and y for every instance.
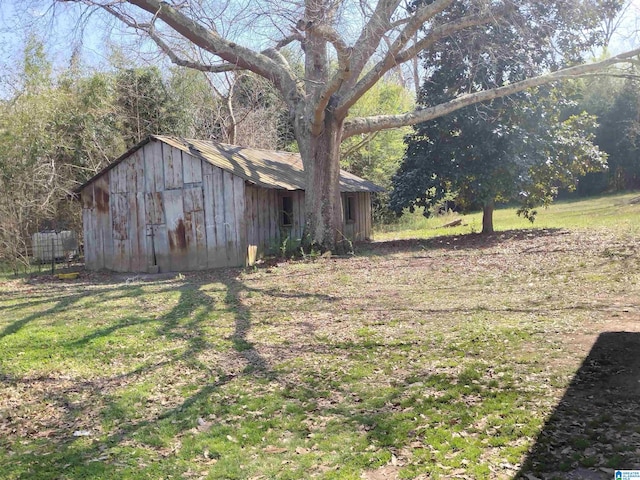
(266, 234)
(265, 231)
(359, 229)
(164, 209)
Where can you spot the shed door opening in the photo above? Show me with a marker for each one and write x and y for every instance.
(287, 211)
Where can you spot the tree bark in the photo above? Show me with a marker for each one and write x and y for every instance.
(487, 216)
(323, 209)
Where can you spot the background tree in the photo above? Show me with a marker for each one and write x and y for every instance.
(341, 62)
(32, 178)
(619, 135)
(516, 148)
(146, 106)
(522, 152)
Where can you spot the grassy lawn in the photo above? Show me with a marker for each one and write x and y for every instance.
(448, 357)
(608, 211)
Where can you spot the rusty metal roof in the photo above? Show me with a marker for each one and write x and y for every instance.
(264, 168)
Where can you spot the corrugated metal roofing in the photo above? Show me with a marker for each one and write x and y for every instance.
(264, 168)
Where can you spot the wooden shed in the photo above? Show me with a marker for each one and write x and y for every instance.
(171, 204)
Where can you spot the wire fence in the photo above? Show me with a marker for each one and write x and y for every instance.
(45, 252)
(55, 250)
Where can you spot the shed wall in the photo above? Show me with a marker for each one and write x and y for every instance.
(163, 209)
(265, 231)
(358, 229)
(266, 234)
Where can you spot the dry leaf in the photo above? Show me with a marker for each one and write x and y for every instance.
(272, 449)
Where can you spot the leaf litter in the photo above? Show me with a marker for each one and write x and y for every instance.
(444, 358)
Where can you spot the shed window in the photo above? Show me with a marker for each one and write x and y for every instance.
(287, 211)
(350, 209)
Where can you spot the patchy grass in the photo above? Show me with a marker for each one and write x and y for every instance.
(452, 357)
(611, 211)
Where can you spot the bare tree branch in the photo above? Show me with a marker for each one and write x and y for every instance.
(360, 125)
(149, 29)
(365, 141)
(391, 61)
(371, 35)
(210, 41)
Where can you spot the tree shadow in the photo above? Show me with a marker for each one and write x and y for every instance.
(81, 405)
(64, 303)
(596, 424)
(469, 241)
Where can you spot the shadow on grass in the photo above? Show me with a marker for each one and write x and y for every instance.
(65, 303)
(596, 425)
(470, 241)
(187, 323)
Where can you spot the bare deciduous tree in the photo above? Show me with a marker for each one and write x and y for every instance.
(347, 47)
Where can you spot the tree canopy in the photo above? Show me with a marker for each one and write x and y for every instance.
(519, 148)
(507, 151)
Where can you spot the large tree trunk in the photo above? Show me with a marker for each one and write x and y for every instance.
(487, 216)
(323, 209)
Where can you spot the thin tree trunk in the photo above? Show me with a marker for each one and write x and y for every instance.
(487, 216)
(323, 208)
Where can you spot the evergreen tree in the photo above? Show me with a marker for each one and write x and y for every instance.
(517, 148)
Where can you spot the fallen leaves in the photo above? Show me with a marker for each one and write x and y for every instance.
(274, 450)
(370, 352)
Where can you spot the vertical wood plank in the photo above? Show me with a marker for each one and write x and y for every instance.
(249, 207)
(176, 230)
(357, 225)
(209, 217)
(195, 228)
(123, 173)
(153, 168)
(365, 216)
(273, 221)
(241, 221)
(260, 219)
(230, 219)
(120, 212)
(219, 194)
(113, 175)
(193, 199)
(149, 175)
(369, 218)
(139, 232)
(361, 217)
(161, 247)
(157, 169)
(199, 233)
(104, 236)
(136, 173)
(154, 208)
(172, 164)
(192, 168)
(134, 245)
(120, 232)
(88, 235)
